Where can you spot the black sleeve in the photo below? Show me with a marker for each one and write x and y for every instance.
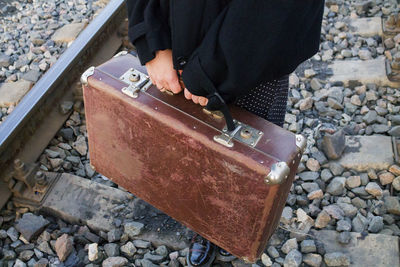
(148, 27)
(252, 41)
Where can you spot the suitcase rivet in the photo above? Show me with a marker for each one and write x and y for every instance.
(194, 127)
(245, 133)
(155, 108)
(134, 77)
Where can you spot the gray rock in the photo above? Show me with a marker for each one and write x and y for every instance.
(141, 243)
(336, 93)
(154, 258)
(31, 225)
(315, 84)
(43, 262)
(348, 209)
(3, 234)
(12, 92)
(12, 234)
(293, 259)
(26, 255)
(326, 175)
(344, 238)
(373, 189)
(147, 263)
(133, 229)
(68, 32)
(360, 191)
(63, 247)
(309, 176)
(32, 76)
(308, 246)
(8, 254)
(343, 225)
(334, 145)
(336, 259)
(312, 259)
(67, 134)
(114, 235)
(322, 220)
(380, 128)
(5, 60)
(45, 247)
(266, 260)
(334, 211)
(93, 252)
(394, 131)
(353, 181)
(310, 187)
(336, 168)
(114, 262)
(395, 184)
(19, 263)
(370, 117)
(336, 186)
(392, 205)
(128, 249)
(289, 245)
(376, 224)
(359, 203)
(359, 223)
(162, 251)
(273, 252)
(80, 145)
(111, 249)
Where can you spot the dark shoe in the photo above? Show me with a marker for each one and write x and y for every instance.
(201, 252)
(224, 256)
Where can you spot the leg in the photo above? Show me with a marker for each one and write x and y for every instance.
(268, 100)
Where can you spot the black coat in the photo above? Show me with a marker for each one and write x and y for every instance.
(227, 46)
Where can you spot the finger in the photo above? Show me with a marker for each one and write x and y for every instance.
(187, 94)
(174, 86)
(195, 99)
(203, 101)
(162, 86)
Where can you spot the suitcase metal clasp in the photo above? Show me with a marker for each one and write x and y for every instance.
(242, 133)
(136, 80)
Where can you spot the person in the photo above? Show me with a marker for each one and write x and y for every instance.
(225, 51)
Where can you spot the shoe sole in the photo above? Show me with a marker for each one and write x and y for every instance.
(208, 264)
(222, 258)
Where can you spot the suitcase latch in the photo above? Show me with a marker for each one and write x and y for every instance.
(136, 80)
(242, 133)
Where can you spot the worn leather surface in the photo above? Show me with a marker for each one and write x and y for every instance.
(161, 148)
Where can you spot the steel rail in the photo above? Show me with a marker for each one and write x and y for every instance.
(27, 131)
(34, 98)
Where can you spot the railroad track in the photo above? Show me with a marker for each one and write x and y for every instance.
(32, 125)
(36, 119)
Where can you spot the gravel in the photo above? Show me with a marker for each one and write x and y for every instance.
(27, 50)
(324, 196)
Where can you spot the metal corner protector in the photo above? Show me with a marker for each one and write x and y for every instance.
(301, 142)
(121, 53)
(84, 77)
(278, 174)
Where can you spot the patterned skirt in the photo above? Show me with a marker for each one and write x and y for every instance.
(268, 100)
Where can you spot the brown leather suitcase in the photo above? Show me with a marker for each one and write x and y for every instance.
(229, 187)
